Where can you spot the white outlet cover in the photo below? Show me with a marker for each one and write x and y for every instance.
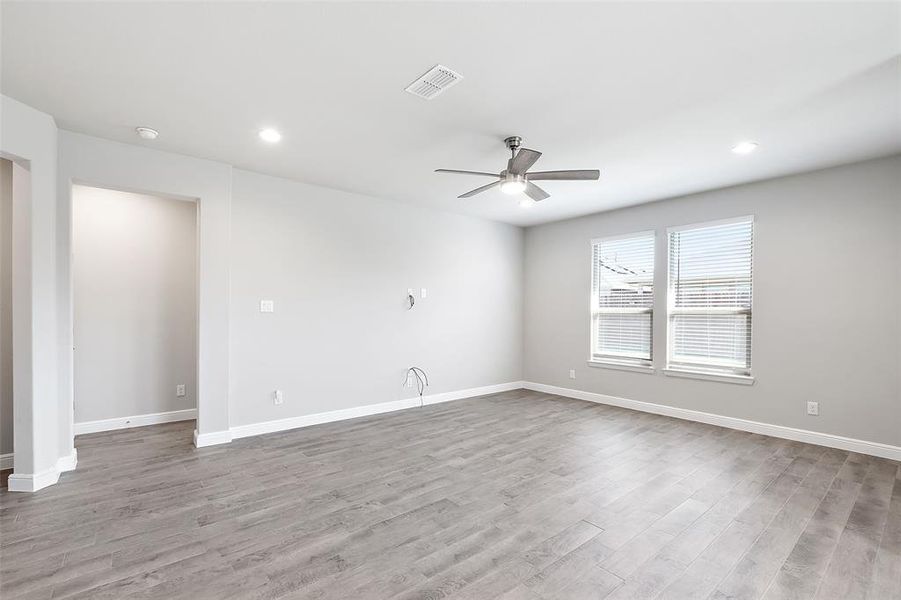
(572, 373)
(423, 293)
(813, 408)
(278, 397)
(180, 390)
(267, 306)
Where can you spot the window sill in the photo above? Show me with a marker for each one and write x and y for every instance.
(738, 379)
(603, 364)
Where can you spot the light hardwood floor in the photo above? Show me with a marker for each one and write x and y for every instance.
(518, 495)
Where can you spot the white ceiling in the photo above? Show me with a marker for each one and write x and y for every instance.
(654, 95)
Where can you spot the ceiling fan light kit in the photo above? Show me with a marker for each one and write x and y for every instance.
(517, 179)
(513, 185)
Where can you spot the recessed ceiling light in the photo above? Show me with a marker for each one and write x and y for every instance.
(146, 133)
(270, 135)
(744, 147)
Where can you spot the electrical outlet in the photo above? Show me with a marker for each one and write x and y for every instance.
(409, 382)
(267, 306)
(423, 293)
(278, 397)
(813, 408)
(180, 390)
(572, 373)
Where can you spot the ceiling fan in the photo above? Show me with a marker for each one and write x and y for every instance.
(516, 178)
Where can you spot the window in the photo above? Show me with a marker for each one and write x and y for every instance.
(709, 300)
(622, 299)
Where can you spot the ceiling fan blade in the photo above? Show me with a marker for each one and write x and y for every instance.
(535, 193)
(564, 175)
(479, 190)
(524, 159)
(467, 172)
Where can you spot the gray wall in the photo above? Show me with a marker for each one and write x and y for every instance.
(338, 266)
(135, 303)
(827, 294)
(6, 332)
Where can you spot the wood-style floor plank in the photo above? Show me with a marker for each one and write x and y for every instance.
(519, 495)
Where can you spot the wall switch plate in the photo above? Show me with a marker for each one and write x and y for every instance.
(278, 397)
(267, 306)
(180, 390)
(572, 373)
(423, 293)
(813, 408)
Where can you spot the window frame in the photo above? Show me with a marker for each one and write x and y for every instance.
(624, 362)
(715, 373)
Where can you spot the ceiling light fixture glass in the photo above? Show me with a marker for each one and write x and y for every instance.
(270, 135)
(744, 147)
(527, 203)
(513, 186)
(146, 133)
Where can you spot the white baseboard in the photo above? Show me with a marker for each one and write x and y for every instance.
(135, 421)
(32, 482)
(6, 461)
(780, 431)
(67, 463)
(242, 431)
(469, 393)
(213, 438)
(367, 410)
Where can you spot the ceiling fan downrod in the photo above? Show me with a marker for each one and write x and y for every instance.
(513, 142)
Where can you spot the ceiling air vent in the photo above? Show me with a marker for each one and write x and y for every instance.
(435, 81)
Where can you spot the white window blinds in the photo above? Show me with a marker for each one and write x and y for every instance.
(709, 300)
(622, 299)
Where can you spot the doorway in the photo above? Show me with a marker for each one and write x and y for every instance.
(6, 321)
(134, 275)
